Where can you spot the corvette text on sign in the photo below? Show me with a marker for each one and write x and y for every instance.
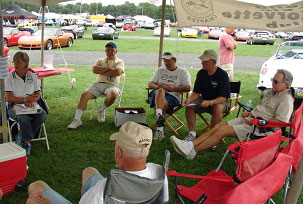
(230, 13)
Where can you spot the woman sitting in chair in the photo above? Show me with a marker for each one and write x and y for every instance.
(22, 91)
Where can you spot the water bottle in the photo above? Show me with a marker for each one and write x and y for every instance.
(248, 105)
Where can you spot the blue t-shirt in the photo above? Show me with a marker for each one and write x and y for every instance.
(212, 86)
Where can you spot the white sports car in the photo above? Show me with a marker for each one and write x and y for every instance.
(289, 56)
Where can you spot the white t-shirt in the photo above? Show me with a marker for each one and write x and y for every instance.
(95, 194)
(20, 87)
(178, 77)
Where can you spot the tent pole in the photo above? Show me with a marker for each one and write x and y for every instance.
(3, 105)
(162, 26)
(42, 42)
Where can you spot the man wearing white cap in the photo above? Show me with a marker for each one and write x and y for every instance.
(133, 142)
(168, 84)
(210, 93)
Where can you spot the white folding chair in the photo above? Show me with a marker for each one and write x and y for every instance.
(14, 123)
(117, 100)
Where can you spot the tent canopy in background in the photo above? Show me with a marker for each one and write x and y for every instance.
(236, 14)
(17, 12)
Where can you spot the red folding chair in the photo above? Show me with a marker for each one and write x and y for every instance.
(255, 162)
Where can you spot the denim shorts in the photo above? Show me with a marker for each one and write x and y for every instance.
(56, 198)
(172, 101)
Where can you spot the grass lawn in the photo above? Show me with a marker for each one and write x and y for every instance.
(178, 46)
(89, 145)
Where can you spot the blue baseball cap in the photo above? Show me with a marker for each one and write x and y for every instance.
(111, 44)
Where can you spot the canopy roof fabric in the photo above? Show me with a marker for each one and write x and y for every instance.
(17, 12)
(40, 2)
(236, 14)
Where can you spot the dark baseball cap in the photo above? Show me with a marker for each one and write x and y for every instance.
(111, 44)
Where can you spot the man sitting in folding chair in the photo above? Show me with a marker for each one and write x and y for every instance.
(210, 93)
(276, 105)
(133, 142)
(109, 70)
(168, 83)
(22, 91)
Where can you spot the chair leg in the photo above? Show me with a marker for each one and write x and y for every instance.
(170, 127)
(45, 136)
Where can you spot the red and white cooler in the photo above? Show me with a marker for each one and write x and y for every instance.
(12, 166)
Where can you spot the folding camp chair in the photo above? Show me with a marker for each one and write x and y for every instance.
(117, 100)
(13, 126)
(124, 187)
(255, 173)
(171, 115)
(235, 88)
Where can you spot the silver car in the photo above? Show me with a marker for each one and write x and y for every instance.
(261, 37)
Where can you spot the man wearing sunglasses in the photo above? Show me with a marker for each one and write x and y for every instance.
(276, 105)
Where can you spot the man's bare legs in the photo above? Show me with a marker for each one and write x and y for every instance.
(217, 114)
(160, 100)
(86, 174)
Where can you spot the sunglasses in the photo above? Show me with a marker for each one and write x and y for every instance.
(275, 81)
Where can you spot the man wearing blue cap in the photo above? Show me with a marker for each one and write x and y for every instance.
(109, 70)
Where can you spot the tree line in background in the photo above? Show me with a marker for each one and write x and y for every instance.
(96, 8)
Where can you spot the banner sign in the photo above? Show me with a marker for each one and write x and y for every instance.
(236, 14)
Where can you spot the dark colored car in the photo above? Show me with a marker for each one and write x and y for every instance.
(78, 31)
(105, 33)
(12, 35)
(31, 29)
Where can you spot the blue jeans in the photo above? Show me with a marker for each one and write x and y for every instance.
(56, 198)
(29, 124)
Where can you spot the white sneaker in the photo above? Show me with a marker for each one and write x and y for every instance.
(74, 124)
(183, 148)
(159, 135)
(101, 116)
(189, 137)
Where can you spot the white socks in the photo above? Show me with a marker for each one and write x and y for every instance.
(192, 133)
(78, 114)
(158, 112)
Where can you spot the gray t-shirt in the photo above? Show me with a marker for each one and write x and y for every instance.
(178, 77)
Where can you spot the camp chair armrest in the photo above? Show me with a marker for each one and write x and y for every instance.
(218, 178)
(259, 122)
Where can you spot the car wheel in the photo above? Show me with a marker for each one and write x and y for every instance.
(5, 42)
(251, 41)
(76, 36)
(70, 42)
(49, 45)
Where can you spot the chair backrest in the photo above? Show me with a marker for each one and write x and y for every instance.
(256, 155)
(235, 87)
(124, 187)
(298, 115)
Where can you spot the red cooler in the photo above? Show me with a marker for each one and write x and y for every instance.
(12, 166)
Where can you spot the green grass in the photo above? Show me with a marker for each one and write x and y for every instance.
(152, 46)
(89, 145)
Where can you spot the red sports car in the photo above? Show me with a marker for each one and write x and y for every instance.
(12, 35)
(129, 27)
(241, 36)
(6, 51)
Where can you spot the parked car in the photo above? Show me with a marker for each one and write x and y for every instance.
(241, 35)
(261, 37)
(31, 29)
(289, 56)
(282, 35)
(294, 36)
(52, 38)
(205, 30)
(189, 32)
(129, 27)
(78, 31)
(149, 26)
(167, 31)
(6, 51)
(111, 25)
(215, 34)
(105, 33)
(12, 35)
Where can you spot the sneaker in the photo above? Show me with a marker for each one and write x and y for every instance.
(19, 140)
(160, 122)
(27, 148)
(74, 124)
(189, 137)
(159, 135)
(183, 148)
(101, 118)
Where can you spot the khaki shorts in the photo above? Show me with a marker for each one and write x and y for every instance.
(99, 89)
(242, 129)
(200, 109)
(229, 69)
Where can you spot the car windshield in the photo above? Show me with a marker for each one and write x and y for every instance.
(105, 29)
(7, 31)
(47, 32)
(292, 50)
(261, 33)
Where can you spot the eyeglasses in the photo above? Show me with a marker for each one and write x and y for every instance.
(275, 81)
